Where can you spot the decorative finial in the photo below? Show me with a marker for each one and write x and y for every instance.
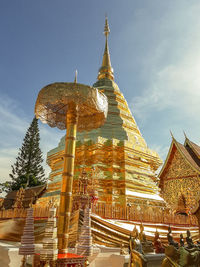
(106, 70)
(185, 135)
(171, 134)
(106, 28)
(76, 73)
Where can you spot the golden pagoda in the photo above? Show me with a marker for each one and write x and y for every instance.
(116, 153)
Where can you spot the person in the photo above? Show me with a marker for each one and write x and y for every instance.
(135, 250)
(181, 240)
(142, 235)
(170, 238)
(189, 241)
(134, 242)
(147, 246)
(157, 244)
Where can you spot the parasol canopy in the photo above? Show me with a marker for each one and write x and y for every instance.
(53, 101)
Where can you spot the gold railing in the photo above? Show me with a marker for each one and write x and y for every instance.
(144, 214)
(39, 212)
(109, 211)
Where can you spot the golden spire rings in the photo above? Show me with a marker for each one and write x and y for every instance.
(106, 70)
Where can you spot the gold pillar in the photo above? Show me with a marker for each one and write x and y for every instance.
(67, 179)
(197, 214)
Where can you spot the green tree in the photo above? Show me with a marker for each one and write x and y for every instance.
(27, 171)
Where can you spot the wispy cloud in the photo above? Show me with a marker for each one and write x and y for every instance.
(169, 98)
(175, 86)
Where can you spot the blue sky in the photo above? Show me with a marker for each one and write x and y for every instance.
(155, 53)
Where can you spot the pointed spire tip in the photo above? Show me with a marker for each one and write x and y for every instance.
(106, 27)
(75, 79)
(185, 135)
(171, 134)
(106, 70)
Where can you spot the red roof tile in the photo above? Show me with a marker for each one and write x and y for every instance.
(195, 148)
(187, 156)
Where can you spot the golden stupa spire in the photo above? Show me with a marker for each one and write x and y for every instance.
(106, 70)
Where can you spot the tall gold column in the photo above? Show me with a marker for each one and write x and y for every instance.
(75, 107)
(67, 179)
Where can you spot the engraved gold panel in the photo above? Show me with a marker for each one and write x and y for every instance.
(180, 177)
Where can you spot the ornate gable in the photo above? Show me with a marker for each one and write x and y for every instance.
(178, 176)
(178, 167)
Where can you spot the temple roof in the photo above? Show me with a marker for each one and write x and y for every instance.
(31, 195)
(188, 156)
(195, 148)
(189, 151)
